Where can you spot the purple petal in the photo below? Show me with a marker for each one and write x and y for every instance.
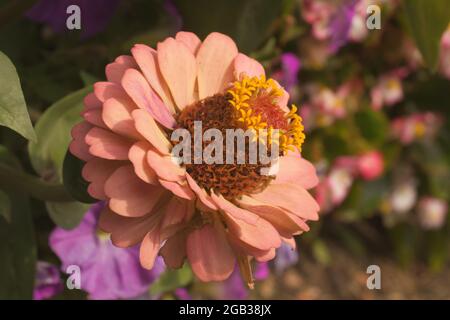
(95, 14)
(48, 282)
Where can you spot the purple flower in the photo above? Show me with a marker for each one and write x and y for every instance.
(235, 289)
(48, 282)
(173, 12)
(107, 272)
(340, 24)
(290, 66)
(182, 294)
(286, 257)
(95, 14)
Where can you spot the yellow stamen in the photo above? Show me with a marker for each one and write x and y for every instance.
(244, 90)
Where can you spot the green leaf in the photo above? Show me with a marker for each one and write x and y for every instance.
(363, 200)
(404, 241)
(321, 252)
(171, 280)
(48, 154)
(13, 109)
(67, 215)
(247, 22)
(373, 126)
(5, 206)
(427, 21)
(53, 132)
(74, 183)
(17, 245)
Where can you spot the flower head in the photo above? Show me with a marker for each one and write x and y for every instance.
(210, 212)
(107, 272)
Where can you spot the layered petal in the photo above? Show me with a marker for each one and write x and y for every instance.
(127, 231)
(290, 197)
(278, 217)
(97, 171)
(164, 166)
(145, 98)
(203, 197)
(178, 67)
(78, 147)
(248, 66)
(149, 249)
(116, 114)
(189, 39)
(148, 128)
(174, 250)
(294, 169)
(147, 60)
(215, 64)
(115, 70)
(209, 253)
(129, 195)
(107, 145)
(106, 90)
(138, 157)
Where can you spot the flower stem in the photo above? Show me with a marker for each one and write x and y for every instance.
(17, 181)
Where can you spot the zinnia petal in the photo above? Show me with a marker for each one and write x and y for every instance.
(130, 196)
(250, 67)
(147, 59)
(215, 64)
(178, 67)
(148, 128)
(107, 145)
(292, 198)
(190, 40)
(115, 70)
(294, 169)
(143, 95)
(116, 115)
(209, 253)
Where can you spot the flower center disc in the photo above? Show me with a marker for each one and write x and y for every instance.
(230, 180)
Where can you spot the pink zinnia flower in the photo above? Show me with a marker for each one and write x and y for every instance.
(213, 214)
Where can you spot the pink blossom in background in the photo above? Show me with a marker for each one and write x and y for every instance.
(107, 272)
(389, 89)
(318, 13)
(335, 186)
(326, 105)
(432, 212)
(371, 165)
(48, 281)
(403, 196)
(416, 126)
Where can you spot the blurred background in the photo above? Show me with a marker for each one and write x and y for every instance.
(372, 81)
